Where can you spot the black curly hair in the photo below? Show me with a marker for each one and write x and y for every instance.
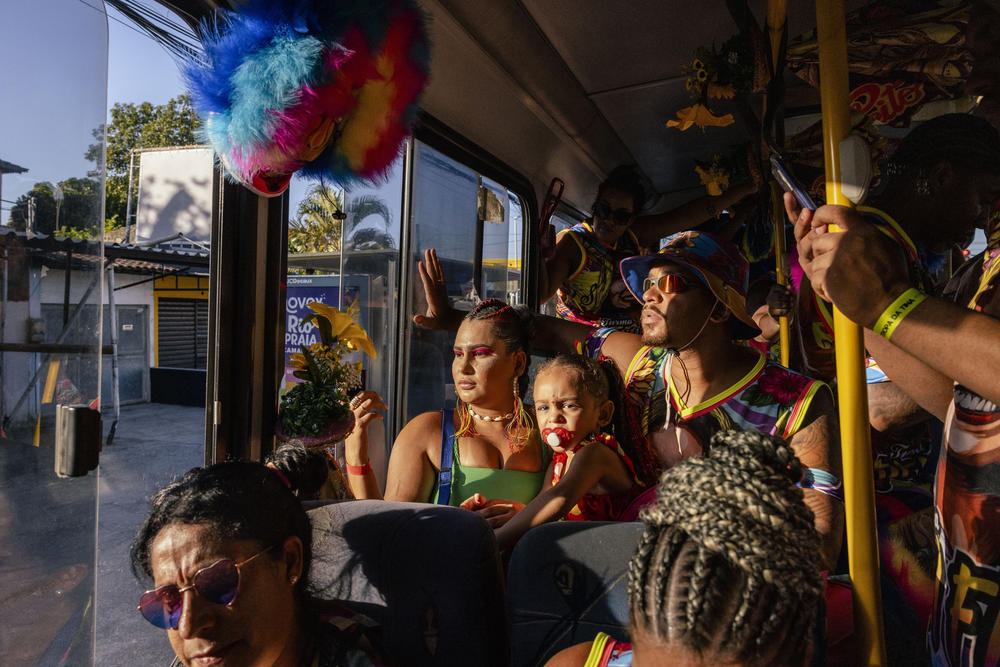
(626, 177)
(239, 500)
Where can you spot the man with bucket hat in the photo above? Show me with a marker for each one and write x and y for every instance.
(686, 377)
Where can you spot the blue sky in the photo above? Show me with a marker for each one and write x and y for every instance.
(54, 97)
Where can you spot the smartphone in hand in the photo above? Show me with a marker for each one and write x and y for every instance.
(789, 184)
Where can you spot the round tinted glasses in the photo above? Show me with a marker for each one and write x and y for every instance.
(217, 583)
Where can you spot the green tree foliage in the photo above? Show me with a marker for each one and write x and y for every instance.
(78, 214)
(318, 223)
(142, 125)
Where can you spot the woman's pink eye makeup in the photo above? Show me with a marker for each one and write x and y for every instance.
(482, 350)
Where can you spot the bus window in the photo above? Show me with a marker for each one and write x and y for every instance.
(560, 220)
(477, 227)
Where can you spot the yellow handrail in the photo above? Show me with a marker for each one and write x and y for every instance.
(777, 15)
(862, 545)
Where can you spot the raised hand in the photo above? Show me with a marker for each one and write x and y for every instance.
(364, 406)
(439, 313)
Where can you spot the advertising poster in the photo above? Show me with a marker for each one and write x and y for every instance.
(303, 290)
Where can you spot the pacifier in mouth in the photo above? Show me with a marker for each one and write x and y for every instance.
(557, 438)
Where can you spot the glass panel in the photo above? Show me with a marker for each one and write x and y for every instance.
(443, 216)
(51, 187)
(453, 208)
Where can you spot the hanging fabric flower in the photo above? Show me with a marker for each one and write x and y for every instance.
(698, 114)
(713, 176)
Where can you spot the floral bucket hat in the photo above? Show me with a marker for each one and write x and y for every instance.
(718, 264)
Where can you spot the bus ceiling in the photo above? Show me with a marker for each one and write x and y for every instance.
(571, 89)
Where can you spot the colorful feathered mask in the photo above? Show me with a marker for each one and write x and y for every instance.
(325, 87)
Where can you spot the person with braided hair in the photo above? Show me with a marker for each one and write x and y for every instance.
(725, 572)
(580, 264)
(686, 377)
(486, 455)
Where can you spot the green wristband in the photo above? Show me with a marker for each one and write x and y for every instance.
(897, 310)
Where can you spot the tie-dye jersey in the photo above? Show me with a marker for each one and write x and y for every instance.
(769, 398)
(966, 625)
(590, 293)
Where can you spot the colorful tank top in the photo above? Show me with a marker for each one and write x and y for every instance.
(609, 652)
(493, 483)
(966, 626)
(596, 506)
(769, 398)
(591, 292)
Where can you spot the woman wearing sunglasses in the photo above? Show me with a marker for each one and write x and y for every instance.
(580, 265)
(228, 549)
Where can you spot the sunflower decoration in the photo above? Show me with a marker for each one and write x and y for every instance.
(720, 171)
(327, 378)
(717, 75)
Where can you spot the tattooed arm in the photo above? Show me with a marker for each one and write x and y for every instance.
(816, 445)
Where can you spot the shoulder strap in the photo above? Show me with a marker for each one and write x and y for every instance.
(447, 457)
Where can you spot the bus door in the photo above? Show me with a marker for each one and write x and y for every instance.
(52, 282)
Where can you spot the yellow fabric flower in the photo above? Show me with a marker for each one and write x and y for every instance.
(344, 328)
(716, 181)
(699, 115)
(719, 92)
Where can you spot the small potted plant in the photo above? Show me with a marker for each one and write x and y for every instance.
(315, 412)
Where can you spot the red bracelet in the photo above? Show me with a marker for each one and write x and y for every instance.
(359, 470)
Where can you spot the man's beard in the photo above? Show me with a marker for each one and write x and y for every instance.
(656, 340)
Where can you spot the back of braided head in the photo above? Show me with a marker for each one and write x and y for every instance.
(728, 564)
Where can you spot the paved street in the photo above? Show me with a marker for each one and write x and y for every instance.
(47, 541)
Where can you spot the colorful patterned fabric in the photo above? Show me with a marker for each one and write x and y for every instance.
(595, 291)
(769, 398)
(595, 506)
(609, 652)
(903, 54)
(719, 264)
(965, 629)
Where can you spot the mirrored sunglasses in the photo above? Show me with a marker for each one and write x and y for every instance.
(668, 283)
(620, 216)
(217, 583)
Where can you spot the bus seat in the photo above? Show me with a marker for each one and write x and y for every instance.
(566, 582)
(429, 575)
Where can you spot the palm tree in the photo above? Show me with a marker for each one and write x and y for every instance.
(369, 238)
(319, 222)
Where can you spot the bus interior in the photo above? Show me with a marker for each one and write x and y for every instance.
(520, 93)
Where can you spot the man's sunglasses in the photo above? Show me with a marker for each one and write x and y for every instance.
(217, 583)
(620, 216)
(668, 283)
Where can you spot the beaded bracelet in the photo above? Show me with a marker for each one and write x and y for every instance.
(897, 310)
(359, 470)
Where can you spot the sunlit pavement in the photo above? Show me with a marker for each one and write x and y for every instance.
(153, 444)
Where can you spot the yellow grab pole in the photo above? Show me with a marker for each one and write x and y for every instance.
(777, 15)
(778, 213)
(862, 544)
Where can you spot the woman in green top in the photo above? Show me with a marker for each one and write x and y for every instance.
(496, 450)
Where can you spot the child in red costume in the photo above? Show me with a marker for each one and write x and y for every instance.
(590, 478)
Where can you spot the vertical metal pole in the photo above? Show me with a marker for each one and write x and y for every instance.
(113, 329)
(777, 17)
(67, 279)
(128, 198)
(477, 257)
(862, 544)
(3, 332)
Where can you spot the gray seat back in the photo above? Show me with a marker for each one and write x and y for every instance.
(566, 582)
(429, 575)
